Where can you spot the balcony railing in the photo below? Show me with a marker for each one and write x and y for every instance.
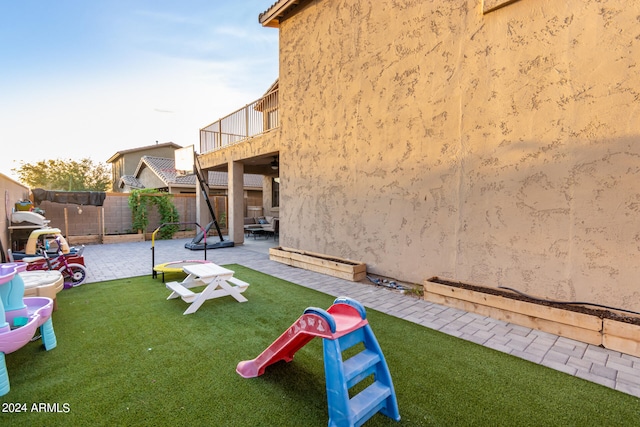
(251, 120)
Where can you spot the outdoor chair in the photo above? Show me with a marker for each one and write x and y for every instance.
(273, 228)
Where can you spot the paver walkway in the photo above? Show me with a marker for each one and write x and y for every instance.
(608, 368)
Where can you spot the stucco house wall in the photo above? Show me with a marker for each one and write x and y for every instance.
(150, 179)
(427, 138)
(13, 192)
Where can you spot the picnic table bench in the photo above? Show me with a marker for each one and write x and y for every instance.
(218, 282)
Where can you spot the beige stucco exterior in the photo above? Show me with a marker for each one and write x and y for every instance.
(427, 138)
(13, 192)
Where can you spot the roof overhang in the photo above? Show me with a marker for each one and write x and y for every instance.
(272, 16)
(133, 150)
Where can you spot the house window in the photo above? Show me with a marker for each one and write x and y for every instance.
(272, 120)
(275, 192)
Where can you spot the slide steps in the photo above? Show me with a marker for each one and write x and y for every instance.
(342, 375)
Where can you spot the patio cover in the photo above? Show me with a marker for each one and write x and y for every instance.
(86, 198)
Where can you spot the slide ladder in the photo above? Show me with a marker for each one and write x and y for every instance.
(343, 328)
(367, 366)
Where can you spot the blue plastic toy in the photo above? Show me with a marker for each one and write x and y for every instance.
(20, 318)
(342, 326)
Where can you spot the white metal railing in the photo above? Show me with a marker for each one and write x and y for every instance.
(251, 120)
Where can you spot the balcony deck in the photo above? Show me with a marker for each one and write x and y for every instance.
(251, 120)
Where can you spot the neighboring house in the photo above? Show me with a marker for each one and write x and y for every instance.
(494, 143)
(160, 173)
(125, 162)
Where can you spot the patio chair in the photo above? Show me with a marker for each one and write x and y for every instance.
(273, 228)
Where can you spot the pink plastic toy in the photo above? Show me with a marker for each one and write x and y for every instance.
(20, 318)
(341, 326)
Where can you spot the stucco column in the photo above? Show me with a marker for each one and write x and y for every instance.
(236, 202)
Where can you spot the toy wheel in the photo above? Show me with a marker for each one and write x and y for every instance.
(75, 276)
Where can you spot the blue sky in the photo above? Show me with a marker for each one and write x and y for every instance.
(88, 78)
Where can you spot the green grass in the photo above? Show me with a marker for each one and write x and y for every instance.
(128, 356)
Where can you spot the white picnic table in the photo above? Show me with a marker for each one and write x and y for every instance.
(218, 282)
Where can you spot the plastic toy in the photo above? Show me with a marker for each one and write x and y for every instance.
(43, 284)
(39, 238)
(176, 266)
(70, 265)
(20, 317)
(342, 326)
(218, 282)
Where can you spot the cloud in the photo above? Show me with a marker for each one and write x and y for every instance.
(135, 75)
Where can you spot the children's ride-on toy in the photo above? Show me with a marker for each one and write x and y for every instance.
(43, 237)
(70, 265)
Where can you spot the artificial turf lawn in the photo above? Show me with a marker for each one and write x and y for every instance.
(128, 356)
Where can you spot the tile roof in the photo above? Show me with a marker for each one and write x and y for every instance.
(271, 17)
(165, 169)
(130, 181)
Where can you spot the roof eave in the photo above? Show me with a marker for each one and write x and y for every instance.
(271, 17)
(147, 147)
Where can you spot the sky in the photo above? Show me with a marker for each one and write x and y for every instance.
(88, 78)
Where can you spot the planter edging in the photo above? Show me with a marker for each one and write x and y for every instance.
(612, 334)
(123, 238)
(320, 263)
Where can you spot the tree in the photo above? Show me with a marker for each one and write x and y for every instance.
(65, 175)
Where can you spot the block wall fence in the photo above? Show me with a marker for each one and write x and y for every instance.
(114, 217)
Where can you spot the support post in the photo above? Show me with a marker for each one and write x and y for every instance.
(236, 201)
